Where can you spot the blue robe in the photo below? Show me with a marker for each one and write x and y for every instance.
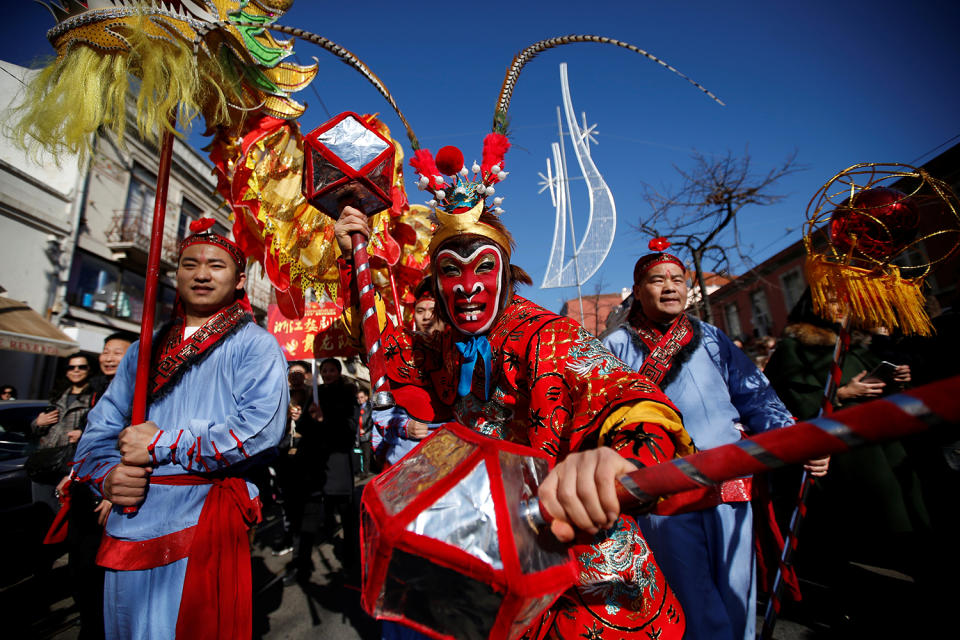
(225, 410)
(388, 439)
(707, 556)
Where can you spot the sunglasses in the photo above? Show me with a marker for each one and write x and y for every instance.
(79, 367)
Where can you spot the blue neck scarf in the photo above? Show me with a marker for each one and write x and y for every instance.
(475, 346)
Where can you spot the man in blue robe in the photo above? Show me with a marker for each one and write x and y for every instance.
(175, 546)
(705, 547)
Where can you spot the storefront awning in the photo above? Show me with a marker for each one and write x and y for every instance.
(23, 329)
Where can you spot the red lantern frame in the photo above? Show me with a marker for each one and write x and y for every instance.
(326, 198)
(524, 596)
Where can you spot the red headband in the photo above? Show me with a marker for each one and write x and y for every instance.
(650, 260)
(202, 235)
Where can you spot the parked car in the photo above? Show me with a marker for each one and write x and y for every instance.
(24, 523)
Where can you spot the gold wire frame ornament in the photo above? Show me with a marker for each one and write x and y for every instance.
(861, 226)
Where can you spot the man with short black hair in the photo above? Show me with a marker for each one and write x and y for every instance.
(178, 565)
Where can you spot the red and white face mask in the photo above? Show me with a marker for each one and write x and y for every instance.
(470, 287)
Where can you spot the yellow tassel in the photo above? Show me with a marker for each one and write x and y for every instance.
(85, 88)
(868, 298)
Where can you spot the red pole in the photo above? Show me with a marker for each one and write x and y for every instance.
(889, 418)
(139, 411)
(396, 298)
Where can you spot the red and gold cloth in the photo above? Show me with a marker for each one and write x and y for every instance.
(556, 388)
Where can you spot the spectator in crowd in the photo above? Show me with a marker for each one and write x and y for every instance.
(396, 433)
(114, 347)
(89, 512)
(299, 375)
(870, 502)
(8, 392)
(338, 405)
(364, 422)
(61, 424)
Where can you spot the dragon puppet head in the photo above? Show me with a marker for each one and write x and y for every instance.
(212, 58)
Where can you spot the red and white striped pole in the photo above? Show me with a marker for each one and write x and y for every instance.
(380, 395)
(896, 416)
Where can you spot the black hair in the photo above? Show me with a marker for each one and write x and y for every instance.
(298, 363)
(9, 387)
(126, 336)
(335, 362)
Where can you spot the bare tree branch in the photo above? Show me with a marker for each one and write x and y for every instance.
(700, 214)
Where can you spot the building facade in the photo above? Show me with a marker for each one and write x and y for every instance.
(74, 238)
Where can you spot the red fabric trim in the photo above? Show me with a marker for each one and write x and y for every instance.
(199, 456)
(174, 354)
(99, 481)
(239, 444)
(152, 447)
(217, 455)
(173, 447)
(137, 555)
(736, 490)
(662, 348)
(57, 532)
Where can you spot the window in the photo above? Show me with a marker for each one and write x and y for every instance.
(732, 316)
(93, 283)
(140, 200)
(762, 322)
(188, 213)
(103, 287)
(793, 285)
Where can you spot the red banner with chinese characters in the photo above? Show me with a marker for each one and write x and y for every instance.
(315, 335)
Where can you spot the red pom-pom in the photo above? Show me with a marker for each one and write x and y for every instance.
(202, 225)
(659, 244)
(449, 160)
(495, 147)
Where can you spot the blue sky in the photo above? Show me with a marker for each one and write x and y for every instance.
(837, 82)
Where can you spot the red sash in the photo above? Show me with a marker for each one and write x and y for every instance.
(661, 348)
(217, 588)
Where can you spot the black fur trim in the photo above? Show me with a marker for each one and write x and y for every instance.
(189, 362)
